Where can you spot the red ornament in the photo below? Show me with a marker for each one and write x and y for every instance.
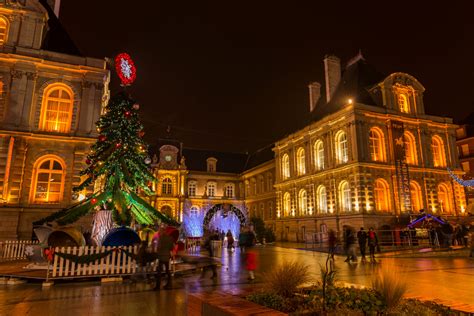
(93, 201)
(125, 69)
(136, 106)
(88, 161)
(141, 133)
(127, 114)
(118, 145)
(49, 254)
(102, 138)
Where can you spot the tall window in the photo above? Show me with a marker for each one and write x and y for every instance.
(48, 180)
(254, 186)
(229, 190)
(247, 188)
(285, 166)
(439, 157)
(286, 203)
(269, 182)
(211, 189)
(322, 199)
(416, 197)
(3, 30)
(167, 186)
(345, 196)
(56, 111)
(192, 188)
(342, 153)
(261, 181)
(376, 144)
(262, 211)
(319, 154)
(381, 195)
(444, 199)
(403, 104)
(410, 148)
(194, 211)
(303, 201)
(300, 158)
(270, 210)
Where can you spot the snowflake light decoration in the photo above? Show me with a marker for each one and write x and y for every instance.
(125, 69)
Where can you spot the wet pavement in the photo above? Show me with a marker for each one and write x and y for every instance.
(448, 280)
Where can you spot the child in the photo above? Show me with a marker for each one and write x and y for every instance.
(251, 263)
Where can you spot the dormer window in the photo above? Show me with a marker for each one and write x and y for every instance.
(3, 30)
(211, 164)
(403, 104)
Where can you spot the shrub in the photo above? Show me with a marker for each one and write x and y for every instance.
(270, 300)
(284, 279)
(412, 307)
(389, 283)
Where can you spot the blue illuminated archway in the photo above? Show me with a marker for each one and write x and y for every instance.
(225, 208)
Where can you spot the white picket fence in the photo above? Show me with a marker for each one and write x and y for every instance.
(116, 263)
(14, 249)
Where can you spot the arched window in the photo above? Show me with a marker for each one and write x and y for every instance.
(319, 154)
(403, 104)
(286, 203)
(56, 112)
(48, 180)
(322, 199)
(381, 195)
(300, 158)
(285, 166)
(192, 188)
(303, 201)
(342, 153)
(416, 196)
(445, 200)
(269, 182)
(439, 157)
(345, 196)
(376, 144)
(410, 148)
(194, 211)
(167, 210)
(229, 190)
(211, 189)
(3, 30)
(167, 186)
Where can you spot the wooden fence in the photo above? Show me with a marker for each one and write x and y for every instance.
(116, 263)
(14, 249)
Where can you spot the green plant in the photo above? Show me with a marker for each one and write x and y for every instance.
(270, 300)
(413, 307)
(328, 276)
(389, 283)
(285, 278)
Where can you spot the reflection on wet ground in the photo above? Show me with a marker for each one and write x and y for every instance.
(448, 279)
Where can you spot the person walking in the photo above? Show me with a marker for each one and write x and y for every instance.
(349, 242)
(362, 239)
(251, 256)
(332, 242)
(164, 253)
(373, 244)
(230, 240)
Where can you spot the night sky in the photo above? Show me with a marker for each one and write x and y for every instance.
(233, 75)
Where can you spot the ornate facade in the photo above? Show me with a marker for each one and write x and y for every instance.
(465, 146)
(50, 99)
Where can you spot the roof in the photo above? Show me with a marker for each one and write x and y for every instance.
(358, 77)
(57, 39)
(259, 157)
(468, 121)
(226, 161)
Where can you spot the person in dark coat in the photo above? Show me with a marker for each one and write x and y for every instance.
(373, 244)
(332, 242)
(164, 253)
(362, 239)
(350, 244)
(230, 240)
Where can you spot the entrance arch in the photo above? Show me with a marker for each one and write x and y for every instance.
(225, 208)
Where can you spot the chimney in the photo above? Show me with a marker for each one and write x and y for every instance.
(332, 70)
(314, 94)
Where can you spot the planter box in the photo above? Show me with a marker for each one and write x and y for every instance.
(224, 304)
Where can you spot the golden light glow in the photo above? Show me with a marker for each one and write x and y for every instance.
(286, 203)
(3, 30)
(416, 197)
(285, 166)
(381, 195)
(437, 148)
(300, 158)
(81, 197)
(48, 180)
(377, 144)
(410, 148)
(349, 101)
(342, 150)
(444, 198)
(56, 112)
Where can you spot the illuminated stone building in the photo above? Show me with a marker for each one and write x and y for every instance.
(50, 99)
(465, 144)
(370, 155)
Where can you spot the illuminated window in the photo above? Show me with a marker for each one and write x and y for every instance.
(192, 188)
(345, 196)
(167, 186)
(211, 189)
(48, 180)
(376, 144)
(465, 150)
(381, 195)
(410, 148)
(322, 199)
(303, 201)
(56, 112)
(416, 197)
(300, 158)
(444, 199)
(229, 190)
(437, 146)
(465, 166)
(319, 154)
(285, 166)
(342, 153)
(286, 203)
(194, 211)
(403, 104)
(3, 30)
